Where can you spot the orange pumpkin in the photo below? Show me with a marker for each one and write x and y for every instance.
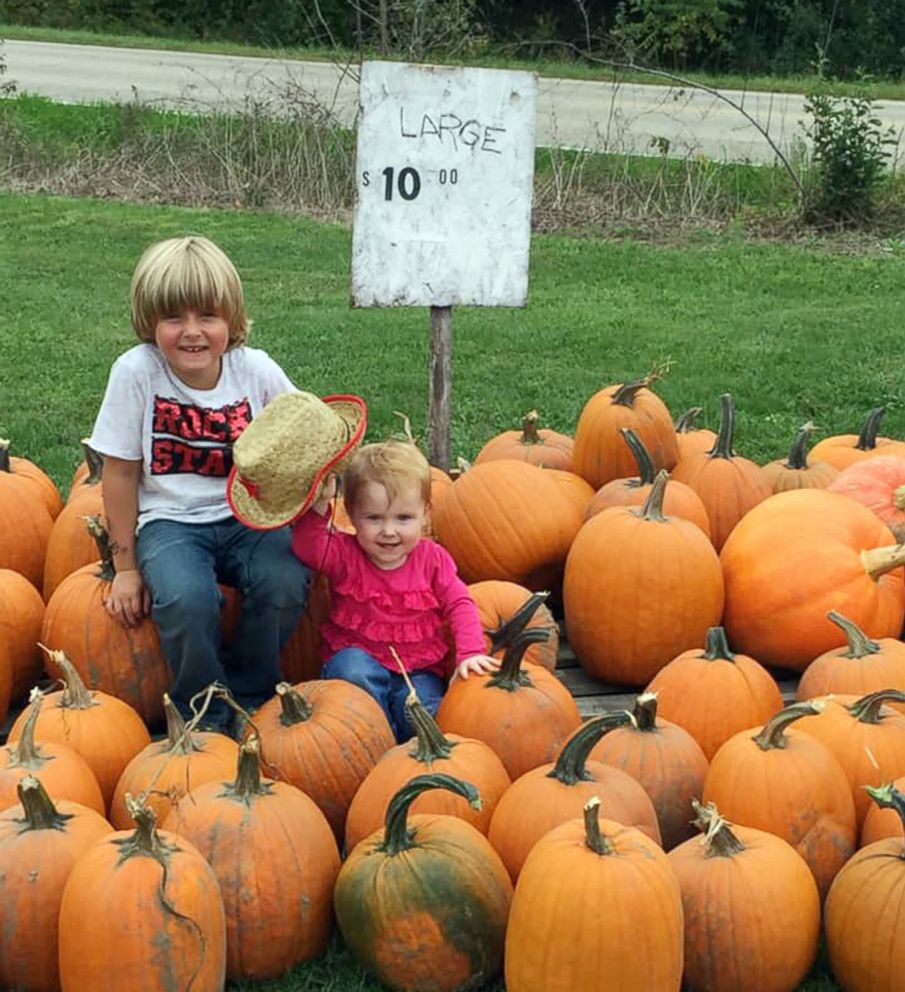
(883, 821)
(600, 453)
(25, 522)
(573, 871)
(271, 848)
(39, 482)
(788, 783)
(71, 545)
(88, 472)
(692, 439)
(714, 692)
(842, 450)
(765, 888)
(879, 484)
(302, 656)
(542, 446)
(729, 485)
(39, 843)
(505, 609)
(793, 559)
(158, 893)
(796, 472)
(865, 908)
(557, 791)
(21, 615)
(573, 489)
(639, 587)
(430, 750)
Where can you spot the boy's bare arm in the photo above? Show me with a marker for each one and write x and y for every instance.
(129, 600)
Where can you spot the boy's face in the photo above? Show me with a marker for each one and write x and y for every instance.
(193, 342)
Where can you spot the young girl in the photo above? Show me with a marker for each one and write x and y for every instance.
(174, 405)
(389, 586)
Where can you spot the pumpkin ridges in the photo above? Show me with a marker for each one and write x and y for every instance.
(21, 615)
(543, 447)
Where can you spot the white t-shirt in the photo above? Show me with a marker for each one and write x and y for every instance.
(182, 436)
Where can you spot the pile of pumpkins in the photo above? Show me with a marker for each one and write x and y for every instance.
(710, 836)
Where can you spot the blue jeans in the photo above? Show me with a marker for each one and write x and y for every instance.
(389, 689)
(181, 565)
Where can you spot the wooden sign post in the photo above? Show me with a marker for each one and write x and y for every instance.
(444, 178)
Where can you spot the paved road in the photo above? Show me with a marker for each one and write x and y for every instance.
(574, 114)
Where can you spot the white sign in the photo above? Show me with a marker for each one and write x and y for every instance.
(445, 171)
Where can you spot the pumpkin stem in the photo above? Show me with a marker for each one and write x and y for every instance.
(293, 705)
(178, 741)
(571, 765)
(717, 647)
(773, 733)
(75, 693)
(879, 561)
(859, 644)
(529, 429)
(722, 446)
(5, 464)
(40, 812)
(95, 462)
(646, 473)
(506, 632)
(867, 439)
(719, 840)
(653, 505)
(248, 783)
(510, 676)
(685, 421)
(798, 454)
(397, 836)
(102, 539)
(430, 743)
(145, 840)
(867, 708)
(625, 394)
(898, 497)
(888, 797)
(593, 835)
(644, 712)
(24, 753)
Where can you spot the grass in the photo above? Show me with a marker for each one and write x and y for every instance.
(561, 63)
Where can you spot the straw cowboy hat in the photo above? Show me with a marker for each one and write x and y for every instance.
(282, 457)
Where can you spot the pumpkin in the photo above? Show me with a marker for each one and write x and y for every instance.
(751, 908)
(505, 609)
(423, 903)
(729, 485)
(304, 727)
(796, 472)
(25, 522)
(714, 692)
(665, 759)
(506, 519)
(557, 791)
(271, 848)
(639, 587)
(43, 488)
(524, 713)
(88, 472)
(600, 453)
(842, 450)
(679, 500)
(557, 941)
(159, 925)
(690, 438)
(62, 771)
(786, 782)
(165, 770)
(39, 843)
(793, 559)
(21, 615)
(124, 662)
(104, 730)
(865, 908)
(879, 484)
(862, 666)
(542, 446)
(302, 657)
(866, 737)
(430, 750)
(883, 821)
(573, 489)
(71, 545)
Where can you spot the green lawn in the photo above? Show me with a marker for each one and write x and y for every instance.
(793, 332)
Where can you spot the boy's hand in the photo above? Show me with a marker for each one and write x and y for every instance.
(477, 664)
(129, 601)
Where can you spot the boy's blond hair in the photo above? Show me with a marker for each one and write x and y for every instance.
(395, 465)
(187, 273)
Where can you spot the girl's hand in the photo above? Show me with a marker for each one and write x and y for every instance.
(129, 601)
(329, 491)
(477, 664)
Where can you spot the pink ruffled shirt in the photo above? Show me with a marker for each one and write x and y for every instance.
(406, 607)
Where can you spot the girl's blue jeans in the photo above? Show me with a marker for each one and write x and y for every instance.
(389, 689)
(181, 564)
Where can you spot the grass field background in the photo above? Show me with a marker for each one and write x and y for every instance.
(793, 332)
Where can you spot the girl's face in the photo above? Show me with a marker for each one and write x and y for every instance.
(387, 531)
(192, 344)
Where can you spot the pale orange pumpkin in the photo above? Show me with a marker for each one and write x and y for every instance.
(843, 450)
(692, 439)
(879, 484)
(796, 471)
(540, 446)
